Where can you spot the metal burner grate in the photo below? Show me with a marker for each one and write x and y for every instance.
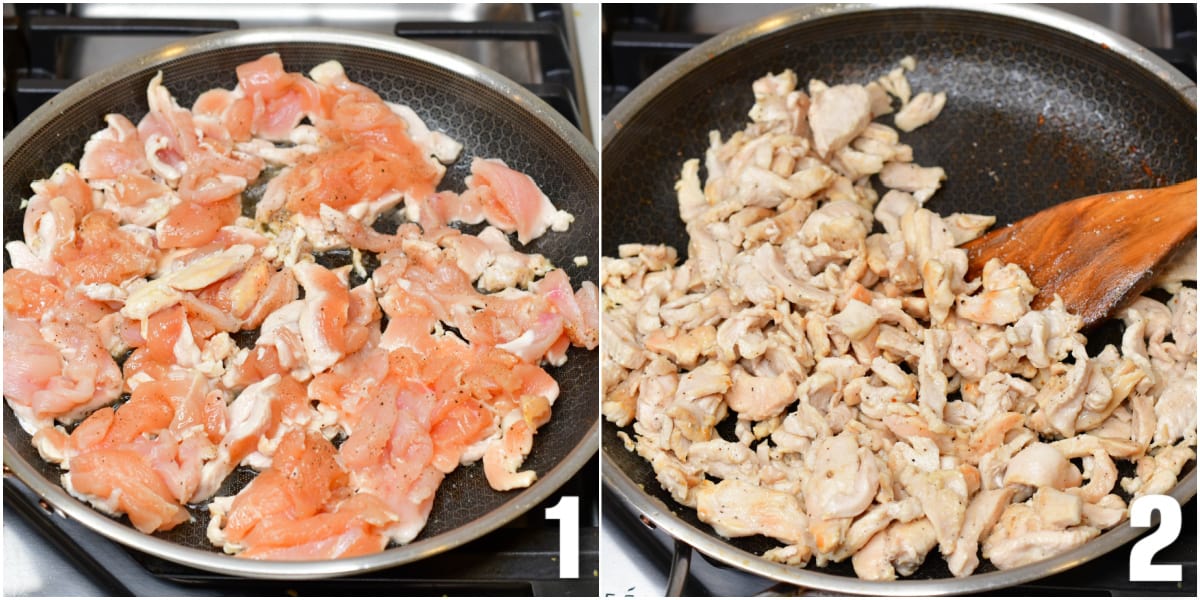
(42, 48)
(638, 40)
(642, 38)
(519, 559)
(43, 45)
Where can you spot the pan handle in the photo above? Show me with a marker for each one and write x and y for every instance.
(17, 502)
(681, 562)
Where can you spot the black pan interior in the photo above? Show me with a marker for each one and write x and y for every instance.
(1034, 117)
(485, 121)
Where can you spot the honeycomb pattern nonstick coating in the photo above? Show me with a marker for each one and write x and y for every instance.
(1034, 117)
(485, 121)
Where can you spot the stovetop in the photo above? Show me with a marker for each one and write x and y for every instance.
(47, 47)
(638, 559)
(47, 554)
(545, 47)
(638, 40)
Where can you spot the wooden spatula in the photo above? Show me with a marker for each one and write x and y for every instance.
(1094, 252)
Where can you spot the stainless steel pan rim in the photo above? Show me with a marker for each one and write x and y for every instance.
(706, 542)
(519, 504)
(664, 77)
(318, 35)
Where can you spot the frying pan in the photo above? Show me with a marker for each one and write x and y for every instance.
(489, 114)
(1042, 107)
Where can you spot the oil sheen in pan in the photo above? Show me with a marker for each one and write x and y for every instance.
(490, 115)
(387, 223)
(1053, 116)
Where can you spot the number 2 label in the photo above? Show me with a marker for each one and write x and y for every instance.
(566, 512)
(1141, 557)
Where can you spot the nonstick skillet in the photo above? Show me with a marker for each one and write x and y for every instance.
(1042, 107)
(492, 117)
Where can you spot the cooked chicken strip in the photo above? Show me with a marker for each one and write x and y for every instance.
(944, 496)
(920, 181)
(759, 398)
(837, 115)
(1032, 547)
(900, 404)
(1042, 465)
(922, 109)
(844, 479)
(900, 549)
(735, 509)
(984, 510)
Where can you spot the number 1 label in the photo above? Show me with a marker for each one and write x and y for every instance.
(1141, 557)
(566, 512)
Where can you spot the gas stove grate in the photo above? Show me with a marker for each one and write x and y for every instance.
(518, 559)
(642, 38)
(35, 38)
(639, 39)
